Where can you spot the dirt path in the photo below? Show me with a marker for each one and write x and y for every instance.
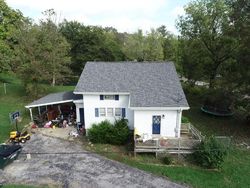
(73, 170)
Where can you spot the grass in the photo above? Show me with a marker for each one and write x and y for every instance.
(236, 168)
(14, 100)
(18, 186)
(220, 126)
(235, 172)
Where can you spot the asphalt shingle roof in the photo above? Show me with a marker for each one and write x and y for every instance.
(150, 84)
(55, 98)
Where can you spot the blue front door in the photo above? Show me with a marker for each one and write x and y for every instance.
(156, 124)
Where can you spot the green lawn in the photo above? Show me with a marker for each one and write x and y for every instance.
(15, 99)
(236, 169)
(235, 172)
(219, 126)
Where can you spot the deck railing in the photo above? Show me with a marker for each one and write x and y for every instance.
(183, 145)
(190, 129)
(171, 145)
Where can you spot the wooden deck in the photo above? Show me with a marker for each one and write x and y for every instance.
(190, 137)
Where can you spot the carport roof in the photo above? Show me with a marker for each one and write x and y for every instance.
(55, 98)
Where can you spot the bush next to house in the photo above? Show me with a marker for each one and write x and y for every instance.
(120, 132)
(167, 159)
(100, 133)
(106, 133)
(184, 119)
(209, 153)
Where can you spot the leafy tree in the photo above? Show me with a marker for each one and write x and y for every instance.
(134, 46)
(169, 43)
(91, 43)
(240, 19)
(54, 48)
(144, 48)
(207, 21)
(191, 60)
(237, 75)
(41, 55)
(10, 21)
(153, 46)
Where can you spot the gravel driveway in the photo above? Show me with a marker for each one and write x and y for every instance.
(73, 170)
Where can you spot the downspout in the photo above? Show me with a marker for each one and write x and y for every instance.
(178, 124)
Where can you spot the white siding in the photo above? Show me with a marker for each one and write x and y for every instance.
(93, 101)
(143, 122)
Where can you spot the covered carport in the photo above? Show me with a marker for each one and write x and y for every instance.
(56, 100)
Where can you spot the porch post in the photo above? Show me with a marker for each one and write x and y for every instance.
(31, 115)
(59, 108)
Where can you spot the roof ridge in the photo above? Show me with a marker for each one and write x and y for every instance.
(132, 62)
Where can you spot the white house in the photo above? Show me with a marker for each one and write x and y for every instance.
(148, 94)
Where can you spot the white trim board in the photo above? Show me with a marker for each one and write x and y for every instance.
(101, 93)
(78, 101)
(46, 104)
(159, 108)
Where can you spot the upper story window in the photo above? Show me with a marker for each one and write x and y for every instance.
(109, 97)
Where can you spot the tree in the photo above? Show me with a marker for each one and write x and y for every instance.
(153, 49)
(91, 43)
(191, 60)
(169, 43)
(144, 48)
(237, 75)
(207, 21)
(134, 46)
(240, 19)
(55, 48)
(10, 21)
(42, 55)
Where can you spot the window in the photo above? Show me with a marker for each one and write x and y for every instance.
(102, 111)
(109, 97)
(110, 112)
(118, 112)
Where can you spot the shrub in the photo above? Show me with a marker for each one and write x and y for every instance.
(167, 159)
(184, 119)
(120, 132)
(194, 90)
(106, 133)
(219, 100)
(100, 133)
(209, 153)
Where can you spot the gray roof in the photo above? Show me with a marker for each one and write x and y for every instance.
(55, 98)
(150, 84)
